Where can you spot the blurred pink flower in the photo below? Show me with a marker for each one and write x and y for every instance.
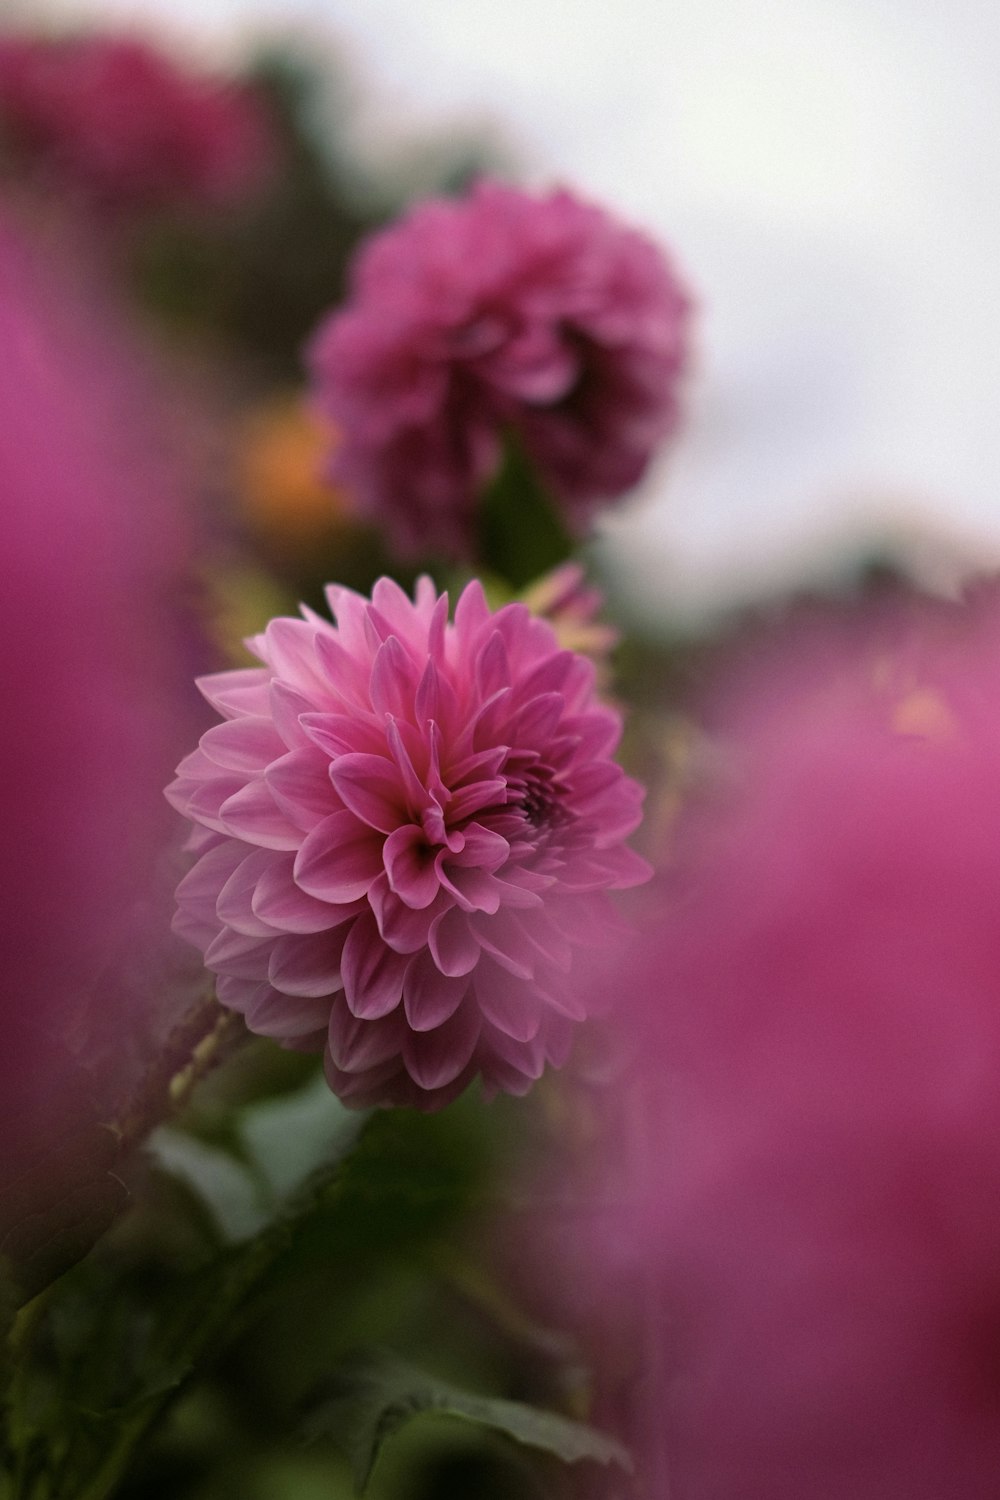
(94, 705)
(405, 829)
(115, 118)
(501, 313)
(815, 1213)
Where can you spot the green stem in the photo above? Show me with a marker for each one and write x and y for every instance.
(204, 1039)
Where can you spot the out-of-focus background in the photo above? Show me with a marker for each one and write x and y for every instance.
(823, 170)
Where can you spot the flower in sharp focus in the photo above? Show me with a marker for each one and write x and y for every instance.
(405, 829)
(500, 314)
(119, 120)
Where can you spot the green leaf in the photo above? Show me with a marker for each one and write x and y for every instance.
(283, 1142)
(227, 1189)
(521, 532)
(373, 1396)
(288, 1138)
(116, 1344)
(63, 1198)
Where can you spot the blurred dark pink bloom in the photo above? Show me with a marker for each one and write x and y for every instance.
(813, 1206)
(94, 704)
(499, 314)
(406, 827)
(120, 121)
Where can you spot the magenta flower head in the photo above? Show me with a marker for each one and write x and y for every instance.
(119, 121)
(405, 828)
(502, 313)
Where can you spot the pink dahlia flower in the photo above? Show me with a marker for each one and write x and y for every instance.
(501, 313)
(116, 118)
(406, 827)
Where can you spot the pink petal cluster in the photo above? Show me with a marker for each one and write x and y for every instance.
(816, 1178)
(406, 827)
(117, 119)
(502, 313)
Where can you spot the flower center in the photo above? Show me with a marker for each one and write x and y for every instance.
(537, 795)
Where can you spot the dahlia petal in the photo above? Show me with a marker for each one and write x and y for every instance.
(475, 797)
(525, 1054)
(203, 801)
(536, 722)
(299, 782)
(452, 943)
(532, 882)
(307, 965)
(616, 821)
(246, 744)
(349, 610)
(502, 939)
(194, 926)
(394, 678)
(418, 791)
(278, 901)
(373, 973)
(550, 675)
(406, 621)
(200, 886)
(502, 1077)
(492, 667)
(489, 724)
(539, 934)
(472, 616)
(336, 734)
(617, 868)
(480, 765)
(234, 905)
(482, 848)
(238, 955)
(473, 889)
(404, 928)
(287, 705)
(594, 779)
(507, 1002)
(370, 786)
(358, 1046)
(289, 646)
(339, 859)
(370, 1088)
(253, 815)
(196, 769)
(430, 997)
(437, 627)
(410, 866)
(272, 1014)
(597, 732)
(244, 690)
(435, 1058)
(435, 697)
(585, 918)
(196, 918)
(566, 998)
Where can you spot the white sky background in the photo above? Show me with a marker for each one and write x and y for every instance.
(827, 173)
